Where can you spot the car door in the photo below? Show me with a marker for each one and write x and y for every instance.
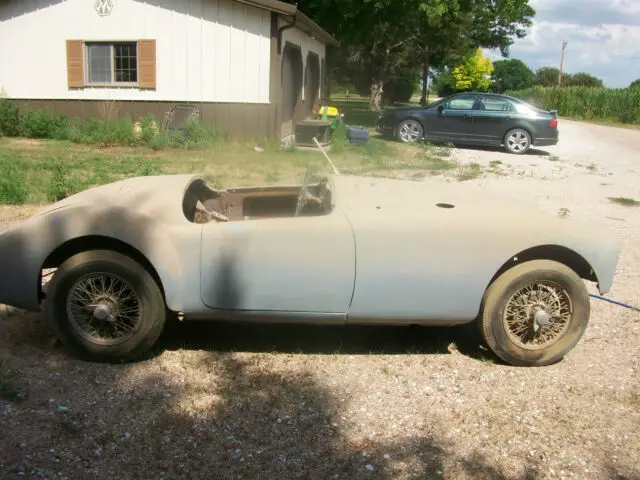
(300, 264)
(453, 118)
(491, 119)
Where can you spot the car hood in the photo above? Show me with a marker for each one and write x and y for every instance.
(150, 194)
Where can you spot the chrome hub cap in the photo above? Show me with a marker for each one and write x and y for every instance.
(541, 319)
(103, 312)
(410, 132)
(537, 315)
(518, 141)
(104, 309)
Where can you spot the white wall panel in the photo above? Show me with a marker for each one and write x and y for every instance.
(207, 50)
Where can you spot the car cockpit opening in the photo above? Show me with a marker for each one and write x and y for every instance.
(204, 204)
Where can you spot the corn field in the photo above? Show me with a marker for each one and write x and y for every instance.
(619, 105)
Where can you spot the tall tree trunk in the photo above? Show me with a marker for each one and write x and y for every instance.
(425, 76)
(375, 100)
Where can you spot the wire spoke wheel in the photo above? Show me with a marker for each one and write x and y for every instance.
(103, 308)
(537, 315)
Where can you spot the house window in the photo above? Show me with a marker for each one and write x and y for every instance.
(112, 63)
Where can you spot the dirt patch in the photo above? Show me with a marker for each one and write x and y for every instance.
(10, 215)
(25, 143)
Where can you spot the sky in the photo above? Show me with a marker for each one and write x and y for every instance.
(603, 38)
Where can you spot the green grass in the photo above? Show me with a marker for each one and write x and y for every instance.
(47, 124)
(625, 201)
(43, 171)
(609, 105)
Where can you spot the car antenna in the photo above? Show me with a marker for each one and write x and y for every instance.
(335, 170)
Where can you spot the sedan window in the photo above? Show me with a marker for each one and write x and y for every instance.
(461, 103)
(495, 105)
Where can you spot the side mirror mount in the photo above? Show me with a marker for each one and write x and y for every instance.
(440, 109)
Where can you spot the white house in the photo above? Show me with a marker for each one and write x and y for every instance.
(253, 67)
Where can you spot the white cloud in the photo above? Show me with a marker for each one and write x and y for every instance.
(603, 38)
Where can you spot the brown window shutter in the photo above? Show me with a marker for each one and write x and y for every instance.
(75, 63)
(147, 59)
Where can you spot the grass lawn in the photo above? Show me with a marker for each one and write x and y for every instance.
(356, 109)
(42, 171)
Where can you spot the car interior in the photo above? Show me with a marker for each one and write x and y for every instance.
(203, 204)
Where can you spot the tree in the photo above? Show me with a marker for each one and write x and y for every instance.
(511, 74)
(635, 84)
(380, 38)
(474, 73)
(548, 76)
(581, 79)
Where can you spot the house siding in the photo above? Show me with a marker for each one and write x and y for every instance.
(207, 50)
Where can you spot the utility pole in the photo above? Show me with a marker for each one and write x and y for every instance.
(564, 46)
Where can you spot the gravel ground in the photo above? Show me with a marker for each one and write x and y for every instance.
(224, 401)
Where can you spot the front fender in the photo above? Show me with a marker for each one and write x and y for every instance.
(24, 249)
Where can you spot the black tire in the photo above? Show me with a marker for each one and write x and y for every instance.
(517, 141)
(414, 132)
(552, 275)
(152, 310)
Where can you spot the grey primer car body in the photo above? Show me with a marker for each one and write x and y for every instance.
(377, 251)
(475, 119)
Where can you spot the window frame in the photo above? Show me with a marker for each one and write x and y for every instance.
(111, 44)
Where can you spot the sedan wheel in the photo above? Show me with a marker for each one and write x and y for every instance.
(410, 131)
(105, 306)
(535, 313)
(517, 141)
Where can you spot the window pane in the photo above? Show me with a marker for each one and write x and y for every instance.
(461, 103)
(496, 105)
(99, 63)
(126, 62)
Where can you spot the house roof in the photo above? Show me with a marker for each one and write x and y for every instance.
(296, 17)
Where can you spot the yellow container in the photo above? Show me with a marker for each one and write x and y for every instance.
(331, 111)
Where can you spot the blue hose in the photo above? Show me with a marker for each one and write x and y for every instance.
(614, 301)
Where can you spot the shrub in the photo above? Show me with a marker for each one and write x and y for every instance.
(44, 123)
(107, 132)
(148, 129)
(10, 119)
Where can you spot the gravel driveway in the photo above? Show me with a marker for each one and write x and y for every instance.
(309, 402)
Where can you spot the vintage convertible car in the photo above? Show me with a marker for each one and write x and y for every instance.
(344, 250)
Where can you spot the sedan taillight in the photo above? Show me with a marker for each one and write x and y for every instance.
(554, 123)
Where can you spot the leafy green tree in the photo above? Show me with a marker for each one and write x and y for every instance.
(635, 84)
(581, 79)
(474, 73)
(511, 74)
(548, 76)
(380, 38)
